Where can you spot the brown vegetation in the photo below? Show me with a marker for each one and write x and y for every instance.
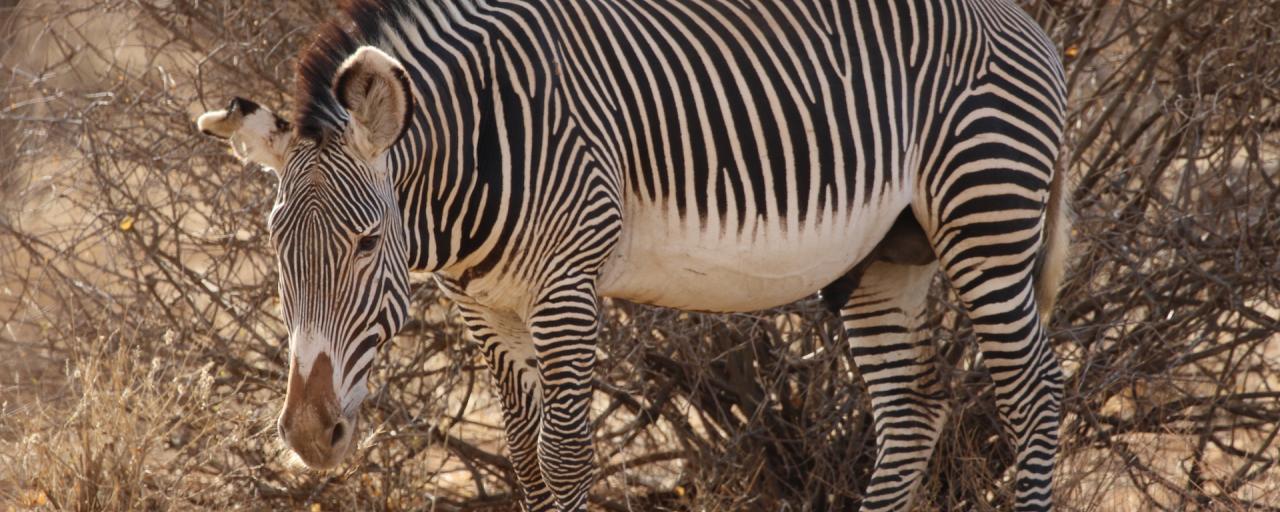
(142, 357)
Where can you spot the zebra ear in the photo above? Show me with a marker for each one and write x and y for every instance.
(374, 89)
(255, 133)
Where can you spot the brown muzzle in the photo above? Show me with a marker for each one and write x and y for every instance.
(311, 423)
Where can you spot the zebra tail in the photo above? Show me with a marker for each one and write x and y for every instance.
(1054, 252)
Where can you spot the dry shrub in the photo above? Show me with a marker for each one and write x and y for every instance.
(93, 444)
(144, 356)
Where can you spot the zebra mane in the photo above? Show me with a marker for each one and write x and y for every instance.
(361, 22)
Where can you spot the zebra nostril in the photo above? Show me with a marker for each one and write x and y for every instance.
(338, 432)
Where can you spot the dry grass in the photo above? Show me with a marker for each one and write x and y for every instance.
(143, 356)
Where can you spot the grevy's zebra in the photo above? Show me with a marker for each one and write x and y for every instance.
(718, 155)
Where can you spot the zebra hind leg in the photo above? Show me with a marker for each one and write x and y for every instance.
(985, 225)
(885, 321)
(998, 294)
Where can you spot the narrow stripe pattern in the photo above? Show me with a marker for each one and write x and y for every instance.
(339, 297)
(542, 129)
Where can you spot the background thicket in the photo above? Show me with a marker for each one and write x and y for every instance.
(142, 357)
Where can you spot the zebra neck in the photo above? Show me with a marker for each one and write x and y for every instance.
(456, 183)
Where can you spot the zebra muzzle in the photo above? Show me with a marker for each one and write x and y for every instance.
(312, 423)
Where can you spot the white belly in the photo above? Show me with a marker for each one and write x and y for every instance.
(665, 261)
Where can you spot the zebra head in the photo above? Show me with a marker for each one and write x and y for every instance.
(339, 241)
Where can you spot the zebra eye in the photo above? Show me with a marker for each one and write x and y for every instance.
(367, 243)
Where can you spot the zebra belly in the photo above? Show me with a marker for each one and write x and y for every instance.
(664, 260)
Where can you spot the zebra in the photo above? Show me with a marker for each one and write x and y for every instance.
(710, 155)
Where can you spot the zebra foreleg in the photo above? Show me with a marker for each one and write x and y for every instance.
(515, 375)
(885, 321)
(522, 416)
(564, 325)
